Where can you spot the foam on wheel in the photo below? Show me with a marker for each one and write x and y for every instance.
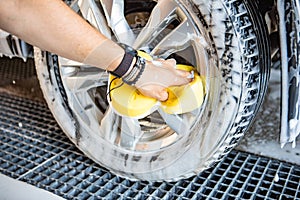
(220, 38)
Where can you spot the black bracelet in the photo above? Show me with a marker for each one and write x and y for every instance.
(133, 76)
(126, 62)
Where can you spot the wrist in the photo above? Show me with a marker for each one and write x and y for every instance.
(126, 63)
(132, 77)
(113, 66)
(130, 67)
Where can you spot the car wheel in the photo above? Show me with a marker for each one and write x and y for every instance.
(226, 41)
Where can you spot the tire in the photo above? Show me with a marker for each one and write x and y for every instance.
(227, 41)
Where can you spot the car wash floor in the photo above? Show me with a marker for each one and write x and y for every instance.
(37, 160)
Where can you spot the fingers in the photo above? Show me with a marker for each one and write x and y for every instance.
(159, 75)
(182, 77)
(185, 77)
(171, 63)
(163, 95)
(156, 92)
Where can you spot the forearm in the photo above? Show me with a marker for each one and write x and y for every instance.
(52, 26)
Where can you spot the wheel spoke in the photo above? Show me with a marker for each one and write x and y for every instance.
(110, 125)
(82, 81)
(130, 133)
(180, 124)
(83, 78)
(91, 12)
(124, 131)
(162, 15)
(114, 13)
(86, 110)
(177, 40)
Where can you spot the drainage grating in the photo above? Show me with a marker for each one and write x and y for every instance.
(15, 69)
(33, 149)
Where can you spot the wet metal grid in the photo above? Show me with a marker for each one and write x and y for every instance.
(15, 69)
(33, 149)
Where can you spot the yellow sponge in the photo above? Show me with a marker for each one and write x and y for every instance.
(127, 101)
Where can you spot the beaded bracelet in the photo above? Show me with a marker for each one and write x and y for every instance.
(133, 76)
(130, 75)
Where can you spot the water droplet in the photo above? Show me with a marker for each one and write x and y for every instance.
(276, 178)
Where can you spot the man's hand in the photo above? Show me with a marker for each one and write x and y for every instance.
(159, 75)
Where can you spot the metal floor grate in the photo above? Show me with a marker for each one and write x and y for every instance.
(33, 149)
(15, 69)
